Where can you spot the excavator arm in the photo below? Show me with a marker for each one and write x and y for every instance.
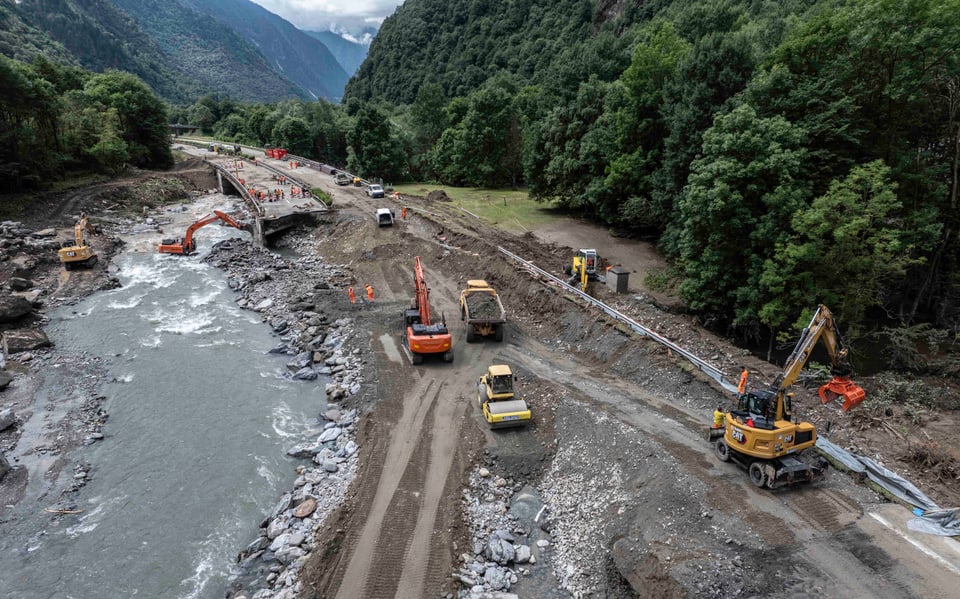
(422, 291)
(186, 245)
(822, 327)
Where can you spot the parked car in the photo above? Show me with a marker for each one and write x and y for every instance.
(375, 191)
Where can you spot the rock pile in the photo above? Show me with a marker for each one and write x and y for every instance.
(286, 538)
(499, 554)
(292, 298)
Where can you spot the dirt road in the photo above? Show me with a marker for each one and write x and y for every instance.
(632, 491)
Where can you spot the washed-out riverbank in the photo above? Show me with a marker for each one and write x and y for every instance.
(160, 500)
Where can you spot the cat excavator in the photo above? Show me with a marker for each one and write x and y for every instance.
(759, 435)
(423, 336)
(185, 245)
(79, 253)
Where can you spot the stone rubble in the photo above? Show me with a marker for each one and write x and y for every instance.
(289, 297)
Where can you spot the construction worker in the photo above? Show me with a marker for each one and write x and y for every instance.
(370, 292)
(742, 385)
(353, 298)
(718, 417)
(403, 212)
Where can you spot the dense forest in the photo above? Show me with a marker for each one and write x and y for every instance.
(56, 119)
(782, 153)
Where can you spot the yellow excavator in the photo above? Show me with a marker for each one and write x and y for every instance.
(78, 254)
(759, 435)
(585, 268)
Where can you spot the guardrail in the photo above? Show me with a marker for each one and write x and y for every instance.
(240, 187)
(708, 369)
(298, 182)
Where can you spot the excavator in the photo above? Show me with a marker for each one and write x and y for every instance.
(423, 336)
(759, 435)
(185, 245)
(585, 268)
(79, 254)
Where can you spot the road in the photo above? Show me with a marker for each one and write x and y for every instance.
(401, 532)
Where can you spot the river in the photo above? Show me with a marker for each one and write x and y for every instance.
(194, 449)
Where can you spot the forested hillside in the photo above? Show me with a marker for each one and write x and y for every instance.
(209, 52)
(784, 153)
(181, 48)
(56, 119)
(98, 36)
(301, 58)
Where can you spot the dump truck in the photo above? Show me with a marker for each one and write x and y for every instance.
(502, 406)
(481, 311)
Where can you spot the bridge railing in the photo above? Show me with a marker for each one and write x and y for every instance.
(246, 195)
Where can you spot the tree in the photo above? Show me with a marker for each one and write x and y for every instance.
(110, 151)
(375, 151)
(848, 249)
(141, 116)
(736, 208)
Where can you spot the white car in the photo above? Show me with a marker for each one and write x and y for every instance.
(375, 191)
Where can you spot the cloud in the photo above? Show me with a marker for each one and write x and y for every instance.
(320, 14)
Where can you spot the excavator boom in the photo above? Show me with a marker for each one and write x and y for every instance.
(423, 336)
(185, 245)
(823, 327)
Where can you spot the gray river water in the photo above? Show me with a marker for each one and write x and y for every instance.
(200, 418)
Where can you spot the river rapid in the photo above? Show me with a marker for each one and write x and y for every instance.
(194, 449)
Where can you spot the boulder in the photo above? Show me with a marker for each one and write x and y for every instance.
(496, 578)
(5, 379)
(20, 284)
(499, 550)
(21, 340)
(306, 374)
(4, 466)
(7, 419)
(13, 307)
(306, 508)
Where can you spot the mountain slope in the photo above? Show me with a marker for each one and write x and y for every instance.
(349, 54)
(300, 57)
(100, 37)
(460, 43)
(209, 52)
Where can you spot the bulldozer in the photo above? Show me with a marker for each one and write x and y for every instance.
(759, 435)
(77, 254)
(585, 268)
(501, 405)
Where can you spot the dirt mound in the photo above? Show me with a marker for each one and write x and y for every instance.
(438, 195)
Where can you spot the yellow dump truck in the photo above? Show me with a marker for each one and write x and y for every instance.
(481, 311)
(501, 405)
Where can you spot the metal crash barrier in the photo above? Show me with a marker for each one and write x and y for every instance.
(709, 369)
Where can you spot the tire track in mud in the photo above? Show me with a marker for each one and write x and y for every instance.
(406, 433)
(403, 510)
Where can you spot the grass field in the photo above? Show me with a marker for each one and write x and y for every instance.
(508, 209)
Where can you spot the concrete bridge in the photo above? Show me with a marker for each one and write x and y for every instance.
(257, 180)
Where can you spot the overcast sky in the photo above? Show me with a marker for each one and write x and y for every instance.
(318, 15)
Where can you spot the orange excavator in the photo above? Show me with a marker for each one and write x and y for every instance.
(185, 245)
(423, 336)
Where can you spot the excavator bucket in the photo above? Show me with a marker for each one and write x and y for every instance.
(842, 389)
